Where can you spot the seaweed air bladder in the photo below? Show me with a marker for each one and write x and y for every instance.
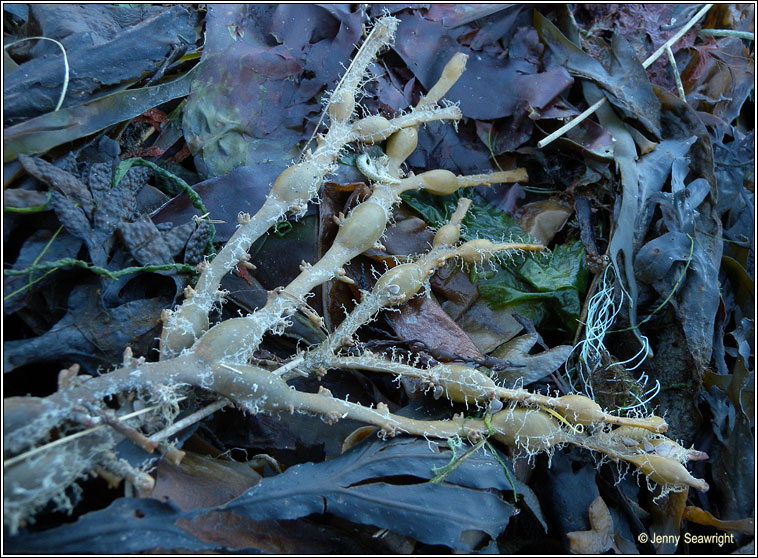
(218, 358)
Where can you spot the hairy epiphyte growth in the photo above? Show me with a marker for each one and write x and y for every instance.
(218, 359)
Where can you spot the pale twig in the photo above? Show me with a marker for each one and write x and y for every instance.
(574, 123)
(294, 363)
(128, 432)
(66, 439)
(188, 420)
(675, 71)
(726, 33)
(652, 58)
(678, 35)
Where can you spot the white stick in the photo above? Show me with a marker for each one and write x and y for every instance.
(652, 58)
(66, 439)
(190, 419)
(675, 70)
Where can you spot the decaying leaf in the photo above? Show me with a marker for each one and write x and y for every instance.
(720, 74)
(201, 481)
(599, 539)
(425, 47)
(528, 368)
(145, 242)
(344, 487)
(49, 130)
(128, 525)
(59, 178)
(90, 332)
(64, 246)
(422, 319)
(254, 114)
(666, 185)
(625, 82)
(732, 458)
(543, 219)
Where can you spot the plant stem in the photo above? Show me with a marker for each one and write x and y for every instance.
(675, 71)
(726, 33)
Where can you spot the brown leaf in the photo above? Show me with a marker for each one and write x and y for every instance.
(201, 481)
(407, 236)
(543, 219)
(488, 328)
(301, 537)
(702, 517)
(452, 283)
(423, 319)
(599, 539)
(153, 117)
(357, 436)
(719, 77)
(667, 520)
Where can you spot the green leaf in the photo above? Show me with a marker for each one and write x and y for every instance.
(505, 290)
(482, 220)
(542, 286)
(535, 287)
(564, 268)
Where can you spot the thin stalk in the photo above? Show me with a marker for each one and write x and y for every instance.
(726, 33)
(188, 420)
(675, 71)
(652, 58)
(33, 209)
(64, 89)
(66, 439)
